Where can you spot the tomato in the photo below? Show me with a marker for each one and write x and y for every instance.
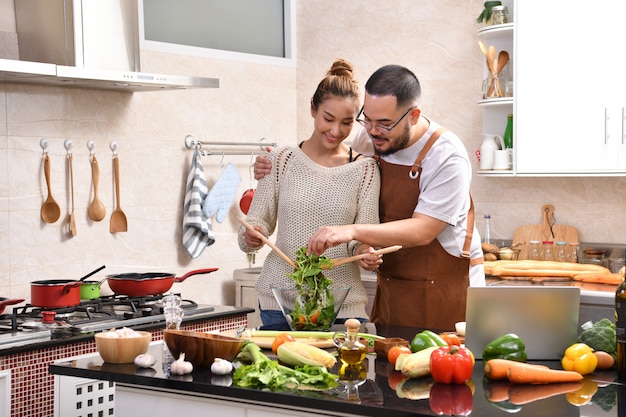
(315, 316)
(280, 339)
(451, 339)
(396, 351)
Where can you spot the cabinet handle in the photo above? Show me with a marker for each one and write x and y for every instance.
(606, 126)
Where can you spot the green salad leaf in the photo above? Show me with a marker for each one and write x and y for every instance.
(315, 306)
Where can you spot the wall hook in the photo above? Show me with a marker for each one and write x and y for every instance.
(113, 146)
(44, 145)
(68, 146)
(91, 145)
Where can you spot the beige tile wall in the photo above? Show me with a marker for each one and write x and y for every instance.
(435, 39)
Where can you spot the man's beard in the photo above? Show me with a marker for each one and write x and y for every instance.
(398, 144)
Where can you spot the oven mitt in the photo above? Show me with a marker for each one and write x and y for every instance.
(221, 196)
(197, 229)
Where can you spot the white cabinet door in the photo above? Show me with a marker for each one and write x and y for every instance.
(569, 88)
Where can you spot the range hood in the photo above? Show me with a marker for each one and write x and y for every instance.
(26, 72)
(89, 44)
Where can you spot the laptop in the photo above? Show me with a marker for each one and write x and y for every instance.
(546, 318)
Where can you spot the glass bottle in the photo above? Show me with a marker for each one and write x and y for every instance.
(620, 329)
(487, 233)
(350, 351)
(560, 254)
(507, 138)
(499, 15)
(547, 251)
(534, 250)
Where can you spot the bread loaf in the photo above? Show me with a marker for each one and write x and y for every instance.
(600, 278)
(531, 268)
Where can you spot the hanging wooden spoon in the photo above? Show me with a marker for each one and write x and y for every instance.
(341, 261)
(96, 210)
(72, 218)
(268, 242)
(118, 218)
(50, 210)
(483, 48)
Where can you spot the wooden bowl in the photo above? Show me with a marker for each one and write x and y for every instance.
(122, 349)
(201, 349)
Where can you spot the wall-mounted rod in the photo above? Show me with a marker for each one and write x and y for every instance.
(191, 143)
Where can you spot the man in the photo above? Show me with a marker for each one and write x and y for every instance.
(425, 206)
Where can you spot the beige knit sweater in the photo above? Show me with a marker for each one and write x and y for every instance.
(296, 198)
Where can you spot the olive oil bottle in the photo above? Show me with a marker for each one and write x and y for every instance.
(620, 329)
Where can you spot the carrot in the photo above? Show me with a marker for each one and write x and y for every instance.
(525, 373)
(497, 391)
(499, 368)
(520, 394)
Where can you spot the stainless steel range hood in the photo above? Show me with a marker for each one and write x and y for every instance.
(87, 44)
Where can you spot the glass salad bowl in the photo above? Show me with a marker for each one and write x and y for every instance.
(310, 309)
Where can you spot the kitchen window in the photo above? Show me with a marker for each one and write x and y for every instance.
(260, 31)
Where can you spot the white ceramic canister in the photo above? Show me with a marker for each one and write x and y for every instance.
(490, 144)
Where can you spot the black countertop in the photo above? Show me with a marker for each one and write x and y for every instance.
(60, 336)
(375, 396)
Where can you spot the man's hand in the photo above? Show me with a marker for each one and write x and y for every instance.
(262, 165)
(329, 236)
(371, 261)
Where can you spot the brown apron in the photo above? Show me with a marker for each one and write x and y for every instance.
(422, 286)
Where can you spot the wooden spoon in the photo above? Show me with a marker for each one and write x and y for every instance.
(503, 58)
(341, 261)
(72, 218)
(118, 218)
(50, 210)
(483, 48)
(268, 242)
(96, 210)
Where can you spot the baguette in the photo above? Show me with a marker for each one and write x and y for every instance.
(543, 269)
(600, 278)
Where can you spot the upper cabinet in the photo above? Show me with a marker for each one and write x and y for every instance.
(569, 101)
(570, 94)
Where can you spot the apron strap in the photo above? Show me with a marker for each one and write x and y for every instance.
(416, 169)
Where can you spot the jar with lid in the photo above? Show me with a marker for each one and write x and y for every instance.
(534, 250)
(547, 250)
(560, 254)
(499, 15)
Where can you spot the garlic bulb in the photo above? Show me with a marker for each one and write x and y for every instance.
(180, 366)
(221, 366)
(145, 360)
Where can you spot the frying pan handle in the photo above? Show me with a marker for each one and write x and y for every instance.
(10, 302)
(67, 287)
(195, 272)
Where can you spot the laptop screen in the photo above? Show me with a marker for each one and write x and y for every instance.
(545, 318)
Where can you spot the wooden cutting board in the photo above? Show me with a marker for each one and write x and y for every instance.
(546, 230)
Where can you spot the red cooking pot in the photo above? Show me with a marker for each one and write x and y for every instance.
(148, 283)
(55, 293)
(8, 302)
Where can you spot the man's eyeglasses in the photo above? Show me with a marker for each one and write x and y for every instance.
(380, 128)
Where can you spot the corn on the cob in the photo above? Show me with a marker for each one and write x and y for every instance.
(417, 364)
(299, 354)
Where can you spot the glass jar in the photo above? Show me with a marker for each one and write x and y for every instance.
(560, 254)
(573, 252)
(350, 350)
(499, 15)
(547, 250)
(534, 250)
(594, 257)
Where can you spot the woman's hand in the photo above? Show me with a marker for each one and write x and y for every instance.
(371, 261)
(262, 165)
(252, 240)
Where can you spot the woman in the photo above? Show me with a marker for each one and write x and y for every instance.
(321, 181)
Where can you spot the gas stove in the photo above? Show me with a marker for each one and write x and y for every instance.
(31, 323)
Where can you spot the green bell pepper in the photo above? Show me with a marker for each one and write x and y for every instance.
(509, 346)
(425, 340)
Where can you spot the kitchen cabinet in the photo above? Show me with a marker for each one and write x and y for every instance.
(570, 100)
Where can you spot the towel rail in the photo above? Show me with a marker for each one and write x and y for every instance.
(192, 143)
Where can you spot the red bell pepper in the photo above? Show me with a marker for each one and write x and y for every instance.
(451, 399)
(451, 364)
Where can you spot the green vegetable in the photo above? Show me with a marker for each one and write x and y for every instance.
(606, 397)
(316, 309)
(600, 336)
(264, 373)
(485, 15)
(509, 346)
(425, 340)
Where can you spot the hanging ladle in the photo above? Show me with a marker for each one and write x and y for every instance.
(268, 242)
(50, 210)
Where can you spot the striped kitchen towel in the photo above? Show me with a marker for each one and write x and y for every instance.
(197, 229)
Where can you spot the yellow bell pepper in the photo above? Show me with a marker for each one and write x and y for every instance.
(579, 357)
